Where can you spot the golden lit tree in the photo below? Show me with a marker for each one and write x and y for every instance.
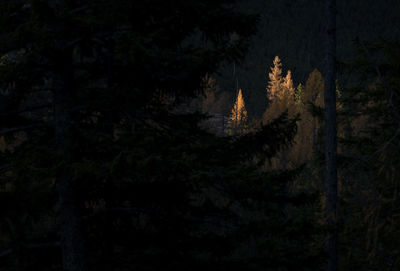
(238, 117)
(275, 79)
(281, 93)
(288, 83)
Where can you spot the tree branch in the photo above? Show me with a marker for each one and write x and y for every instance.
(5, 166)
(25, 110)
(33, 246)
(23, 128)
(42, 245)
(208, 220)
(6, 252)
(385, 84)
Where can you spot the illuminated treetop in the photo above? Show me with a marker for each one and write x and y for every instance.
(238, 118)
(239, 112)
(275, 79)
(288, 83)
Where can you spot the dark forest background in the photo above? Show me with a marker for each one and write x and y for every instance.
(294, 31)
(190, 135)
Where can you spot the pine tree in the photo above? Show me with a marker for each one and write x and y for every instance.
(299, 93)
(282, 99)
(275, 79)
(288, 83)
(310, 109)
(281, 93)
(238, 117)
(370, 155)
(331, 179)
(313, 89)
(80, 56)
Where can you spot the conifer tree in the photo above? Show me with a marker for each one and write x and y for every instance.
(308, 103)
(299, 92)
(288, 83)
(80, 56)
(370, 151)
(275, 79)
(282, 99)
(281, 93)
(238, 117)
(331, 178)
(313, 89)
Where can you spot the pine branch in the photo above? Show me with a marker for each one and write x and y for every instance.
(23, 128)
(25, 110)
(42, 245)
(382, 79)
(5, 166)
(6, 252)
(32, 246)
(208, 220)
(383, 147)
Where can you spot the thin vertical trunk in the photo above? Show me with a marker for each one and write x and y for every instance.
(331, 137)
(71, 234)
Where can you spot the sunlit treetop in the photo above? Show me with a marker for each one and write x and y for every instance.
(239, 112)
(288, 82)
(238, 118)
(275, 79)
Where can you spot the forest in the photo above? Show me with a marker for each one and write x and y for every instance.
(199, 135)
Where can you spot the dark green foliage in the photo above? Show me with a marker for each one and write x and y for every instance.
(370, 160)
(186, 206)
(153, 189)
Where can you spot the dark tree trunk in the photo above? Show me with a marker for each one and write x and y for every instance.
(72, 240)
(331, 140)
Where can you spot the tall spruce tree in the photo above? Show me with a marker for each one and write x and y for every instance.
(370, 165)
(331, 179)
(94, 85)
(80, 56)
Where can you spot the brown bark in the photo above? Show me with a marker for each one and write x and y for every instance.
(331, 181)
(71, 234)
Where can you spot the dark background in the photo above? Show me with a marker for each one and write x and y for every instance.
(293, 30)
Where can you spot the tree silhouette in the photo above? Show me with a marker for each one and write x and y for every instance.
(77, 73)
(331, 180)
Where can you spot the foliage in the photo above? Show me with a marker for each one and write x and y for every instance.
(369, 159)
(275, 83)
(151, 189)
(238, 118)
(281, 93)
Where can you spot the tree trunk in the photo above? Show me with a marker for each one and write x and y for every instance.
(72, 241)
(331, 182)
